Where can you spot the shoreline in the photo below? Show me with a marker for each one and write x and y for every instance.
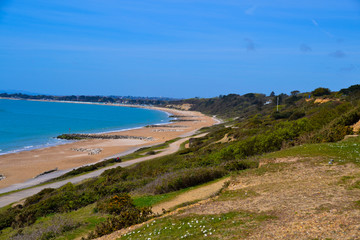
(23, 166)
(53, 141)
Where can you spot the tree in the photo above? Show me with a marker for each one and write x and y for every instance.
(295, 93)
(272, 94)
(321, 92)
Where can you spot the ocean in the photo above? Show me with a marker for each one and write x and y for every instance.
(26, 125)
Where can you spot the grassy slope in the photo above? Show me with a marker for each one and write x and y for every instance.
(296, 194)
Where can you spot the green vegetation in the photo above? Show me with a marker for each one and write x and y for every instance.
(321, 92)
(298, 127)
(138, 153)
(78, 223)
(341, 152)
(238, 224)
(124, 214)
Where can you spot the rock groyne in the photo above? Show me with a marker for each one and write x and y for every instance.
(166, 126)
(78, 136)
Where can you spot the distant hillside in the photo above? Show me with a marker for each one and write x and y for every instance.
(234, 105)
(97, 99)
(11, 91)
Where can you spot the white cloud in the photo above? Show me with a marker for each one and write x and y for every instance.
(315, 22)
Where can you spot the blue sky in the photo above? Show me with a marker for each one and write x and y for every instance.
(178, 48)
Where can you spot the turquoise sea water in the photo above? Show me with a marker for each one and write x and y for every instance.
(26, 125)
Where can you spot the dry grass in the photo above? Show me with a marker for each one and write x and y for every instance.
(305, 196)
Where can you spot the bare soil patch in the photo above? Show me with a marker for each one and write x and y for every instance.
(310, 199)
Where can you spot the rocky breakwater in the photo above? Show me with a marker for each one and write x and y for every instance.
(79, 136)
(166, 126)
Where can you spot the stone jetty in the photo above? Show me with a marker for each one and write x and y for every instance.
(182, 116)
(184, 120)
(78, 136)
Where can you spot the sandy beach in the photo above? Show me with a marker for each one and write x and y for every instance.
(22, 166)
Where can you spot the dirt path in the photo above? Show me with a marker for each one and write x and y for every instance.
(190, 196)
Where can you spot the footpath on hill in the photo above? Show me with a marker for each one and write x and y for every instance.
(200, 193)
(308, 198)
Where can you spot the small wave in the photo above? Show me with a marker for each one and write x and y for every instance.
(54, 142)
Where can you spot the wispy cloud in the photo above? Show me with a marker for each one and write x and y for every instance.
(338, 54)
(250, 46)
(316, 24)
(305, 48)
(250, 11)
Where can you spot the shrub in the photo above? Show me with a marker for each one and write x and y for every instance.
(57, 227)
(238, 165)
(182, 179)
(281, 115)
(152, 152)
(321, 92)
(124, 212)
(115, 204)
(296, 115)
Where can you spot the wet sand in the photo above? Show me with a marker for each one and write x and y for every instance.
(22, 166)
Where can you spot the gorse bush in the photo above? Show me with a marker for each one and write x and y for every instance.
(237, 165)
(115, 204)
(124, 212)
(174, 181)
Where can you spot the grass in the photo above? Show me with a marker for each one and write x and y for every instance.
(87, 219)
(342, 152)
(151, 200)
(182, 146)
(233, 225)
(236, 194)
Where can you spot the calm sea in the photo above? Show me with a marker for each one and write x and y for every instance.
(26, 125)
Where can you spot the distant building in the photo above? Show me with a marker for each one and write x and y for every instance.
(268, 102)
